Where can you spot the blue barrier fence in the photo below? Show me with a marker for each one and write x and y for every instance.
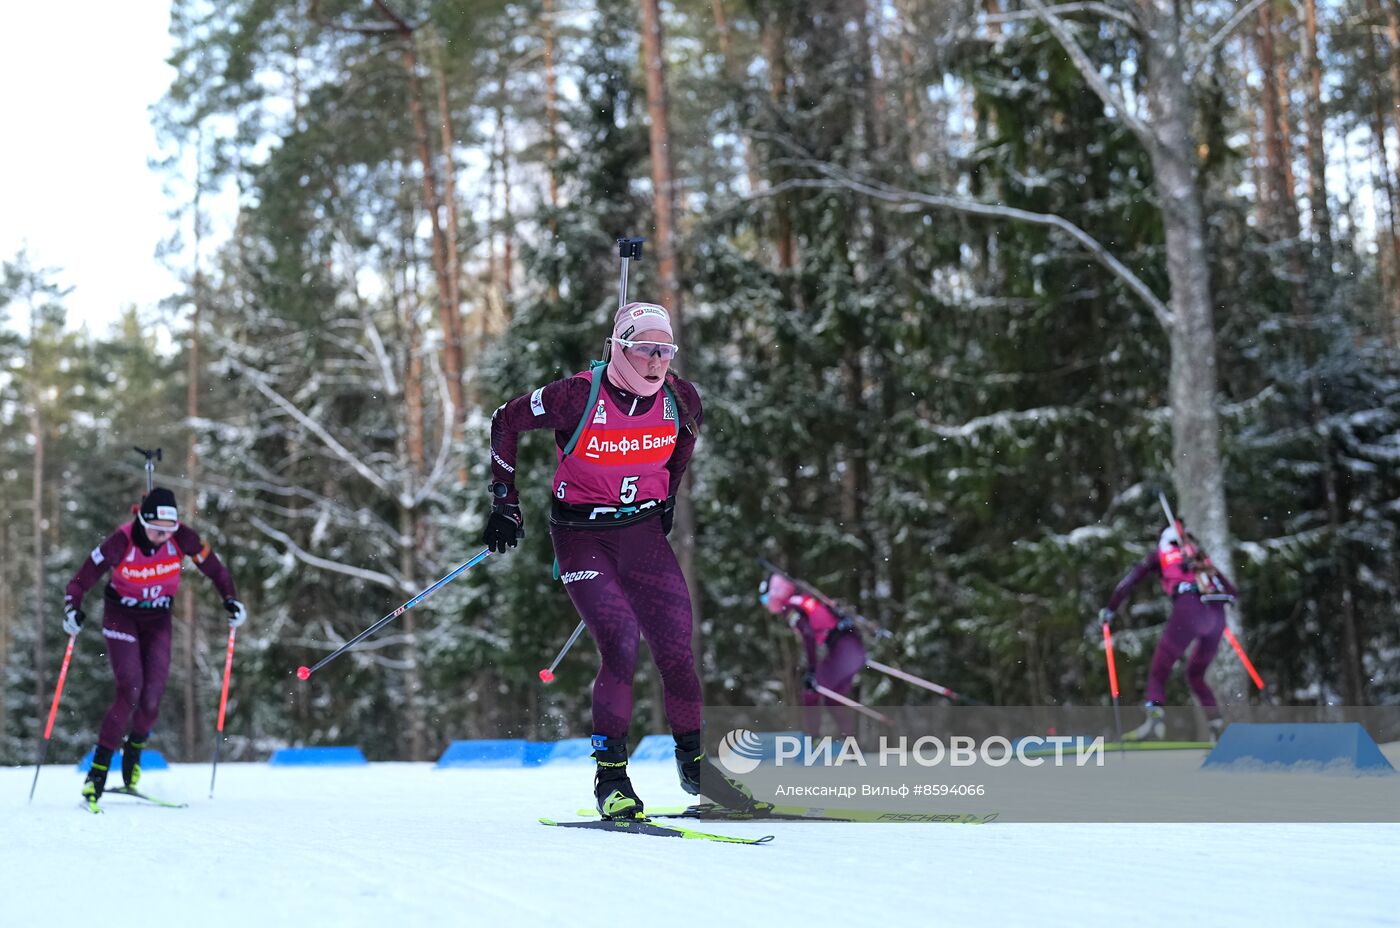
(514, 752)
(329, 756)
(477, 753)
(1334, 746)
(150, 760)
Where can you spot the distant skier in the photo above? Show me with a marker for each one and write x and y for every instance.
(624, 432)
(146, 557)
(1199, 593)
(818, 626)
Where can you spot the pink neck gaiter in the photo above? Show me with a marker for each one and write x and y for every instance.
(624, 376)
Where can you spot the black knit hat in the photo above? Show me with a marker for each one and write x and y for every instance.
(158, 510)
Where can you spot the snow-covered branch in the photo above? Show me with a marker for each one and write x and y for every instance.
(1224, 33)
(441, 465)
(370, 576)
(1100, 9)
(1091, 75)
(910, 199)
(314, 427)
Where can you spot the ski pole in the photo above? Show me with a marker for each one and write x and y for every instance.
(53, 711)
(1244, 658)
(223, 704)
(547, 675)
(627, 249)
(1113, 681)
(304, 673)
(920, 681)
(1172, 519)
(846, 701)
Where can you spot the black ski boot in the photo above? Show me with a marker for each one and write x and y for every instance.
(96, 780)
(699, 777)
(1217, 726)
(611, 788)
(690, 759)
(1154, 728)
(131, 758)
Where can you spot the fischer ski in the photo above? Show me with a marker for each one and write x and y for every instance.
(643, 826)
(145, 797)
(712, 812)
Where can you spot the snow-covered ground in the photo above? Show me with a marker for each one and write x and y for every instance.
(406, 845)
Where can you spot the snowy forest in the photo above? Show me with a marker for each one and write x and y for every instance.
(962, 283)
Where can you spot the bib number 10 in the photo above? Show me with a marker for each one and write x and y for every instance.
(628, 494)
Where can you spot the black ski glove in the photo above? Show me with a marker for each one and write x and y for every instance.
(847, 624)
(1106, 616)
(809, 681)
(668, 515)
(504, 528)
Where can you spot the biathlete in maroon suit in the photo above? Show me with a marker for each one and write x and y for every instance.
(624, 432)
(817, 625)
(1199, 593)
(146, 557)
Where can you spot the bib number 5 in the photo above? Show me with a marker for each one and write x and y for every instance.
(628, 494)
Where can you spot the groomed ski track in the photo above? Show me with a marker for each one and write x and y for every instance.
(407, 845)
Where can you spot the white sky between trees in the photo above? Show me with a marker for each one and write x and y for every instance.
(79, 80)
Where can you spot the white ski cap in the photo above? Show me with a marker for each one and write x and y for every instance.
(641, 317)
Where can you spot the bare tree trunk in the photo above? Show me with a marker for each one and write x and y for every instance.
(1197, 465)
(36, 429)
(452, 226)
(908, 85)
(1258, 160)
(662, 181)
(734, 73)
(1389, 269)
(411, 531)
(773, 41)
(507, 217)
(856, 479)
(551, 106)
(493, 311)
(993, 8)
(663, 187)
(1277, 194)
(1319, 211)
(551, 134)
(449, 183)
(449, 312)
(7, 618)
(410, 528)
(187, 603)
(1392, 34)
(1283, 224)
